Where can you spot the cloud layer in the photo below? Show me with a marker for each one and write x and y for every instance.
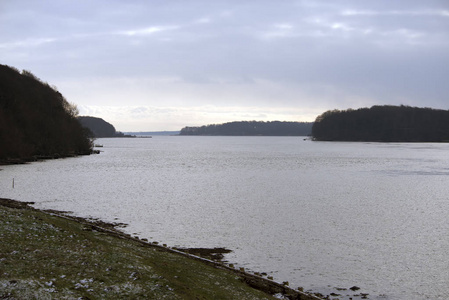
(162, 65)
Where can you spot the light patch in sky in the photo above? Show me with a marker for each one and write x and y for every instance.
(147, 31)
(127, 118)
(27, 43)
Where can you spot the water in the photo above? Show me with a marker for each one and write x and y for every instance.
(319, 215)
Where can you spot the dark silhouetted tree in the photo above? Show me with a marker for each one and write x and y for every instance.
(36, 120)
(252, 128)
(99, 127)
(384, 124)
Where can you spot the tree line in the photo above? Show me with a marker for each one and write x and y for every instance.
(36, 120)
(100, 128)
(252, 128)
(383, 124)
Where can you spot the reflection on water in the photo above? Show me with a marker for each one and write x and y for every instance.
(320, 215)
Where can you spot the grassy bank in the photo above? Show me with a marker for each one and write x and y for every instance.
(45, 256)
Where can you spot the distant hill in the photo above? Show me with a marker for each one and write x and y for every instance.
(36, 120)
(383, 124)
(99, 128)
(252, 128)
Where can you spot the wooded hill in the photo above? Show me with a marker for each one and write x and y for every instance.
(99, 127)
(383, 124)
(250, 128)
(36, 120)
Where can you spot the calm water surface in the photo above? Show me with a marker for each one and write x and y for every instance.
(320, 215)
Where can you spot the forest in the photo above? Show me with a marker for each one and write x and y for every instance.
(100, 128)
(36, 121)
(252, 128)
(383, 124)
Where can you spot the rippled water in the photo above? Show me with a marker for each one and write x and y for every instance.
(320, 215)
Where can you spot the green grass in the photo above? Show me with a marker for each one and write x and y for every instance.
(43, 256)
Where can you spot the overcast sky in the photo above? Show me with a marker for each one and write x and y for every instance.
(161, 65)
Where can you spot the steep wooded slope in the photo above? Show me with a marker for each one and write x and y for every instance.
(36, 120)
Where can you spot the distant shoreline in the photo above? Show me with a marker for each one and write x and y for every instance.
(147, 133)
(36, 158)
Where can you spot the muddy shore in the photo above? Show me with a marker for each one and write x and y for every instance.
(212, 255)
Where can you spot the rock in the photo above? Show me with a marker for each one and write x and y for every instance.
(334, 294)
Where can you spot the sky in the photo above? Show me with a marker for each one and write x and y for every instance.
(153, 65)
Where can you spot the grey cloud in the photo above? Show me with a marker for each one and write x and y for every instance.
(384, 51)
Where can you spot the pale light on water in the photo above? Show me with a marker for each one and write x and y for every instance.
(320, 215)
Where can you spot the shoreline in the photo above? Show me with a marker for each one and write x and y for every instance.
(38, 158)
(257, 282)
